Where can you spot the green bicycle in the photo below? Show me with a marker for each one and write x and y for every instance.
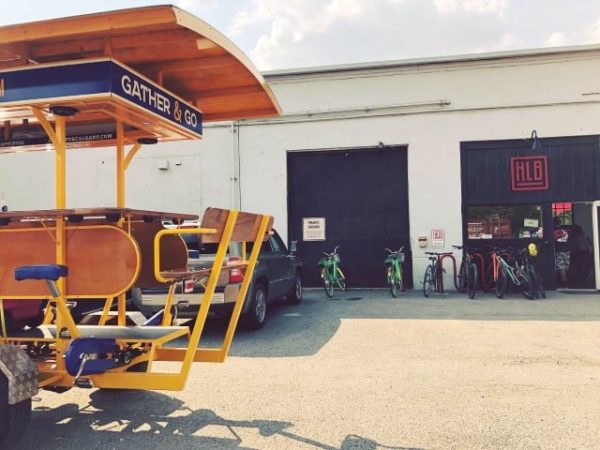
(393, 270)
(331, 274)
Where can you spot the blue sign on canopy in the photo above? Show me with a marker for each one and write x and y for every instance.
(106, 76)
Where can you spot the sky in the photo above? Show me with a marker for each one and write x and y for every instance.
(284, 34)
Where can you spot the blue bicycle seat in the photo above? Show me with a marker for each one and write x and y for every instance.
(41, 272)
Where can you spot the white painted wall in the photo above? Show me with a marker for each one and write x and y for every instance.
(558, 95)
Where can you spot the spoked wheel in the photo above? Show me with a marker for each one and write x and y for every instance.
(501, 283)
(472, 280)
(487, 279)
(341, 281)
(327, 285)
(525, 285)
(537, 283)
(463, 278)
(428, 283)
(14, 419)
(392, 282)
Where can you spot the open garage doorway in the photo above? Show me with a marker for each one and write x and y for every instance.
(355, 198)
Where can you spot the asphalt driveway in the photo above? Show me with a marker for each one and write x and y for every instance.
(365, 371)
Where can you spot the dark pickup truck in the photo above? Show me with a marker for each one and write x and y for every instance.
(278, 275)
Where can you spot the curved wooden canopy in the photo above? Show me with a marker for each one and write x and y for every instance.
(175, 49)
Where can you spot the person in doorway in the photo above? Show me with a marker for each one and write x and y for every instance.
(561, 252)
(580, 260)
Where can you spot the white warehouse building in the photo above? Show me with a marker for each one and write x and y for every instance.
(422, 153)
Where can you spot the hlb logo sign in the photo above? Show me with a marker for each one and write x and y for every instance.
(529, 173)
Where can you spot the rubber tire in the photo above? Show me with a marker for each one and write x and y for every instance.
(525, 286)
(401, 284)
(327, 285)
(255, 317)
(487, 283)
(472, 281)
(501, 283)
(537, 283)
(341, 282)
(14, 419)
(392, 282)
(463, 278)
(428, 286)
(295, 297)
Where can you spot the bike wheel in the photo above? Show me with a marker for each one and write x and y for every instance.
(400, 281)
(501, 283)
(327, 285)
(525, 284)
(428, 282)
(472, 280)
(341, 281)
(463, 277)
(537, 283)
(391, 281)
(388, 274)
(487, 282)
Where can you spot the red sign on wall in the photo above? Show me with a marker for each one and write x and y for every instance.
(529, 173)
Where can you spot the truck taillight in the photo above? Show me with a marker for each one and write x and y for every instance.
(235, 274)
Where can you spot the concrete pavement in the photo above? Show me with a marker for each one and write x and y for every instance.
(366, 371)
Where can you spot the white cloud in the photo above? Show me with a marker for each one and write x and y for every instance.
(290, 22)
(471, 6)
(557, 39)
(592, 33)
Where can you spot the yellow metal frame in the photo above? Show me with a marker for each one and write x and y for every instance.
(52, 365)
(52, 370)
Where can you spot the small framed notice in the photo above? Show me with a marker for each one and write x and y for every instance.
(437, 238)
(313, 229)
(533, 223)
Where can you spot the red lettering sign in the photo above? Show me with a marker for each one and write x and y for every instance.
(529, 173)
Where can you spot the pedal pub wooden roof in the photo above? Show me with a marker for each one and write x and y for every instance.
(147, 67)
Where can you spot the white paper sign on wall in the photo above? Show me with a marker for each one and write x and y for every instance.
(313, 228)
(437, 238)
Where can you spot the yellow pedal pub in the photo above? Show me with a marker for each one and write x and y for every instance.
(126, 79)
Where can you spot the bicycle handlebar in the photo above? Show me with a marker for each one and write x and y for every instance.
(332, 253)
(391, 252)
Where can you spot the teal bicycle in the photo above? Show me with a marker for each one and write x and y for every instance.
(393, 270)
(331, 274)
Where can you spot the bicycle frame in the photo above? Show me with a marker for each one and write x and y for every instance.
(331, 268)
(395, 261)
(437, 271)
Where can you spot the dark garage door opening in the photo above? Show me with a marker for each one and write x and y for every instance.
(362, 195)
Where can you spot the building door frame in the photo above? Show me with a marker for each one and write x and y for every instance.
(596, 231)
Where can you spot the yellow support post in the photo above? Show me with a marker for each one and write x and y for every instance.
(120, 165)
(208, 294)
(167, 316)
(106, 310)
(132, 152)
(239, 301)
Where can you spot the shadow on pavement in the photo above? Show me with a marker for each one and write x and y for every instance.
(151, 420)
(300, 330)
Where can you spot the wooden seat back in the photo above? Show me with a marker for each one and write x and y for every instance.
(245, 230)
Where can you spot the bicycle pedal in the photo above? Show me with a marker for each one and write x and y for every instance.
(85, 383)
